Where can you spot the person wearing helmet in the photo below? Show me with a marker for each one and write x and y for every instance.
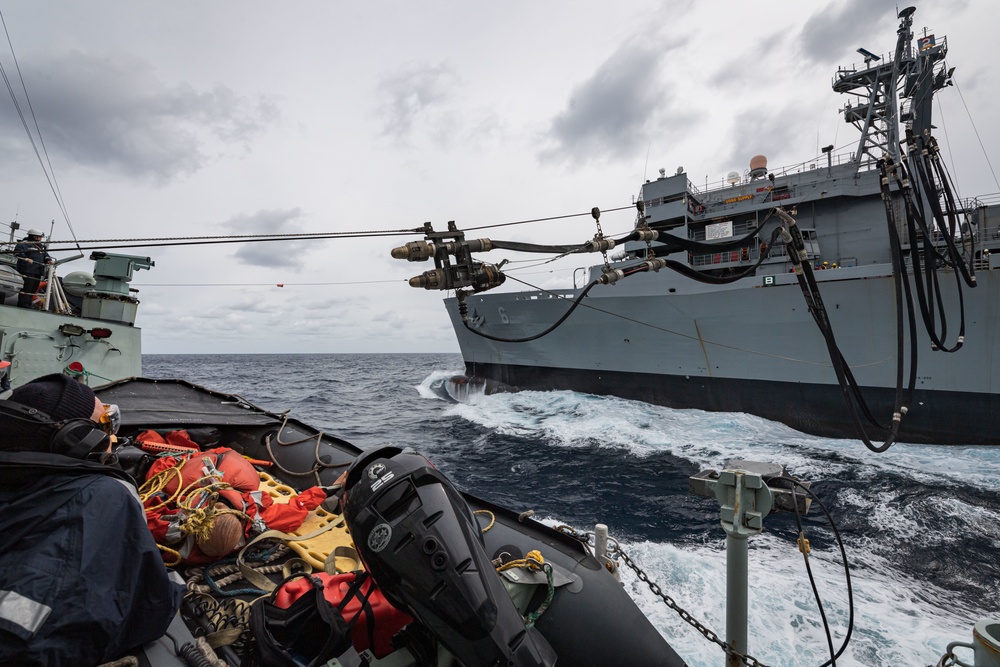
(31, 262)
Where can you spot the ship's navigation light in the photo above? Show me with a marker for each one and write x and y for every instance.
(100, 333)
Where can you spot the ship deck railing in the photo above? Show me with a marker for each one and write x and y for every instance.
(811, 165)
(981, 201)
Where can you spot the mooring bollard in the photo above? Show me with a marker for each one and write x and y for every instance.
(985, 645)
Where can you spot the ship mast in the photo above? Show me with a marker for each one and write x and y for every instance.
(881, 105)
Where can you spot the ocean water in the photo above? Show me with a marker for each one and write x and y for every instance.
(921, 523)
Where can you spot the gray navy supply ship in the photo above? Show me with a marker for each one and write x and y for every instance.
(896, 338)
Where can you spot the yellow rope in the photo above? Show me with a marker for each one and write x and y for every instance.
(197, 500)
(173, 552)
(493, 519)
(533, 561)
(158, 482)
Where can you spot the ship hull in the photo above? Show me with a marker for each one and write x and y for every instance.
(37, 343)
(810, 408)
(747, 348)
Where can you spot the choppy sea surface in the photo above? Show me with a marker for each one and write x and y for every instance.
(921, 523)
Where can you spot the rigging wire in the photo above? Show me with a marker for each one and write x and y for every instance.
(549, 219)
(287, 284)
(166, 241)
(284, 236)
(50, 174)
(349, 282)
(532, 263)
(947, 140)
(976, 130)
(213, 240)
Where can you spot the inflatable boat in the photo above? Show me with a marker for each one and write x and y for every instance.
(419, 572)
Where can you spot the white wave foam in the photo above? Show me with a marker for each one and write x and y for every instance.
(894, 622)
(899, 620)
(571, 419)
(429, 388)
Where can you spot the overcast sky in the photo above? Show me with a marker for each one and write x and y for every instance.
(188, 118)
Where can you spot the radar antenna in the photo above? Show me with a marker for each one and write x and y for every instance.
(893, 91)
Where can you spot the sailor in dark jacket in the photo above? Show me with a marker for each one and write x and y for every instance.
(31, 262)
(81, 579)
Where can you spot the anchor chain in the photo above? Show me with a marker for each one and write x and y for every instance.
(691, 620)
(614, 547)
(949, 659)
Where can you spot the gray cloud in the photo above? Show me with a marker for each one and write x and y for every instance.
(113, 114)
(247, 305)
(759, 131)
(612, 114)
(842, 26)
(339, 304)
(734, 71)
(270, 254)
(413, 94)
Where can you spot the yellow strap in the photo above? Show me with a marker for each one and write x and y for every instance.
(340, 551)
(258, 579)
(223, 637)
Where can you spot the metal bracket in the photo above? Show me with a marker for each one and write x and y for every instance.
(778, 482)
(747, 491)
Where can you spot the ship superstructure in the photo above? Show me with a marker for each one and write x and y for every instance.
(82, 323)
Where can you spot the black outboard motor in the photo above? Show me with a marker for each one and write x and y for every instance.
(422, 544)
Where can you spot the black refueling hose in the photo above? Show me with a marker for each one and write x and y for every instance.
(851, 392)
(925, 157)
(931, 187)
(463, 310)
(847, 571)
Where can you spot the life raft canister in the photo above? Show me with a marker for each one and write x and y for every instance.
(374, 627)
